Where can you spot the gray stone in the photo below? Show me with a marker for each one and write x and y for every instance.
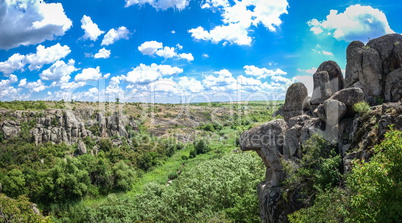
(332, 111)
(82, 148)
(349, 97)
(268, 141)
(393, 86)
(354, 58)
(337, 81)
(390, 49)
(295, 101)
(371, 76)
(322, 88)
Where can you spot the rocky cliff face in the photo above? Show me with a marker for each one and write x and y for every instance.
(62, 125)
(373, 74)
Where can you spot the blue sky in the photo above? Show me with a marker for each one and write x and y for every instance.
(177, 50)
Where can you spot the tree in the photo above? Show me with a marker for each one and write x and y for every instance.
(18, 210)
(124, 176)
(66, 181)
(14, 183)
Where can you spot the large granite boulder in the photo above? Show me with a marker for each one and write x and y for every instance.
(296, 101)
(354, 58)
(349, 97)
(322, 88)
(393, 86)
(268, 141)
(336, 79)
(331, 111)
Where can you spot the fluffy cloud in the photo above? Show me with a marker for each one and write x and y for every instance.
(42, 56)
(262, 73)
(152, 48)
(90, 28)
(31, 22)
(114, 35)
(35, 86)
(220, 81)
(144, 74)
(166, 52)
(15, 62)
(103, 53)
(160, 4)
(8, 92)
(239, 18)
(187, 56)
(58, 70)
(356, 23)
(46, 55)
(192, 85)
(89, 74)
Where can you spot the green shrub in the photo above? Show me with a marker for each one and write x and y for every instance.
(201, 146)
(361, 107)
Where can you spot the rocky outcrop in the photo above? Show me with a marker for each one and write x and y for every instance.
(369, 67)
(336, 79)
(62, 125)
(296, 101)
(373, 75)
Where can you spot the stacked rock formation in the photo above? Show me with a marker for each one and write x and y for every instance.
(373, 74)
(63, 125)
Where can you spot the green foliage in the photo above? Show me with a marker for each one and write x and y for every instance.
(14, 183)
(105, 144)
(219, 190)
(201, 146)
(372, 192)
(18, 210)
(319, 166)
(376, 185)
(124, 176)
(66, 181)
(361, 107)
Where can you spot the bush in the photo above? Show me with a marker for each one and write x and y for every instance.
(361, 107)
(201, 146)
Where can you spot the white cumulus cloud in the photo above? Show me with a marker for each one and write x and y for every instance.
(31, 22)
(46, 55)
(190, 84)
(15, 62)
(356, 23)
(35, 86)
(262, 73)
(36, 60)
(239, 18)
(144, 74)
(90, 28)
(113, 35)
(150, 47)
(58, 70)
(103, 53)
(89, 74)
(160, 4)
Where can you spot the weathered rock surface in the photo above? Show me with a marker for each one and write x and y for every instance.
(336, 79)
(268, 141)
(322, 88)
(369, 67)
(373, 75)
(62, 125)
(295, 102)
(332, 111)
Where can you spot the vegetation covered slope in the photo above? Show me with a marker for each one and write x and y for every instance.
(138, 177)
